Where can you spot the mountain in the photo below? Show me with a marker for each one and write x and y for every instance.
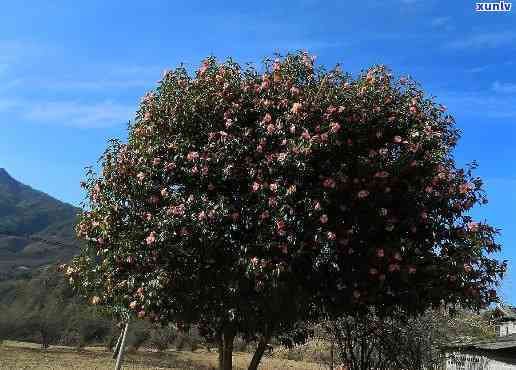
(28, 212)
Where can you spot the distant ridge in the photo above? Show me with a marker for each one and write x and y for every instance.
(26, 211)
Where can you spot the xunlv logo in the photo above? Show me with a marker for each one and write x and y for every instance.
(501, 6)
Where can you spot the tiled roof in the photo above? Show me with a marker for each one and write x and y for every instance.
(506, 312)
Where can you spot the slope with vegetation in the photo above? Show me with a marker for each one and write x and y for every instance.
(26, 213)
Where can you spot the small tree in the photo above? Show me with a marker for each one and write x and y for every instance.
(400, 341)
(245, 202)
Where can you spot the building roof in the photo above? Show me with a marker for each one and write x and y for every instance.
(505, 313)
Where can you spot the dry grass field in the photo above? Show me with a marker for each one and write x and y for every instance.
(21, 355)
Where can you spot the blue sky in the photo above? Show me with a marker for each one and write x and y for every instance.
(72, 73)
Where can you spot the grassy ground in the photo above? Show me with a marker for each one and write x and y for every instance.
(20, 355)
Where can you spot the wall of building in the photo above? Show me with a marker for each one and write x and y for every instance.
(506, 328)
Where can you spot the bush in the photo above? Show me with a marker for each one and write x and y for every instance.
(161, 338)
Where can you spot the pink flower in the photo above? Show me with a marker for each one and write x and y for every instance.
(147, 216)
(272, 202)
(169, 166)
(331, 235)
(424, 215)
(380, 253)
(296, 108)
(280, 224)
(259, 148)
(264, 215)
(273, 187)
(397, 139)
(201, 216)
(192, 156)
(151, 239)
(256, 186)
(267, 118)
(363, 194)
(329, 183)
(141, 314)
(147, 116)
(473, 226)
(277, 65)
(317, 206)
(323, 219)
(334, 127)
(382, 174)
(176, 210)
(394, 267)
(464, 188)
(204, 67)
(292, 129)
(204, 170)
(133, 305)
(429, 189)
(413, 109)
(271, 128)
(305, 135)
(156, 161)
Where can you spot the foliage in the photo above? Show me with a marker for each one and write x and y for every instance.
(246, 202)
(401, 341)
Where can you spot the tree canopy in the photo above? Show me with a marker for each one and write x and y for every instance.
(246, 201)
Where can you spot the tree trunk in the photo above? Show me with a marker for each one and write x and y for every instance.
(258, 354)
(220, 349)
(229, 337)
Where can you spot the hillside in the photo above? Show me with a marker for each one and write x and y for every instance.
(26, 211)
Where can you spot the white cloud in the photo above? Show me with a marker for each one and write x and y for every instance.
(504, 87)
(70, 113)
(480, 105)
(483, 40)
(440, 21)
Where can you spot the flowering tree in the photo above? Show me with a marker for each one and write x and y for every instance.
(245, 202)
